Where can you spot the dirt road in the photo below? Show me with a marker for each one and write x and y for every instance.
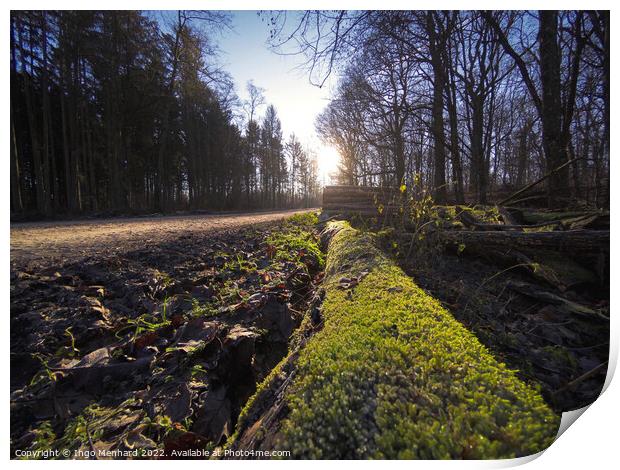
(80, 289)
(59, 242)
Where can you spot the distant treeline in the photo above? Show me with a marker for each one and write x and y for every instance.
(114, 112)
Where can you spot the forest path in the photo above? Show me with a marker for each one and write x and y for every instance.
(49, 243)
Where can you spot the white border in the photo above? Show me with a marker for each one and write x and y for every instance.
(591, 443)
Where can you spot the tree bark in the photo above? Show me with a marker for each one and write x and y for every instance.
(550, 62)
(435, 45)
(455, 154)
(577, 242)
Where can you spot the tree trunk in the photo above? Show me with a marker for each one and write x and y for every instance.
(39, 182)
(439, 176)
(457, 168)
(522, 156)
(550, 62)
(479, 167)
(17, 204)
(16, 194)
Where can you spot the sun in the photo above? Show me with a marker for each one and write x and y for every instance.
(328, 159)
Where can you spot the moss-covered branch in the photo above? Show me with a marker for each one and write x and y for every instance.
(392, 374)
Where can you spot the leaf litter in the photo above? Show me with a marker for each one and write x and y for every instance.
(157, 347)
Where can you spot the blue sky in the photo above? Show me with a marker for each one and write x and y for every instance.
(246, 55)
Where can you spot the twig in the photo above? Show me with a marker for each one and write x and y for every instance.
(540, 180)
(582, 377)
(520, 265)
(90, 442)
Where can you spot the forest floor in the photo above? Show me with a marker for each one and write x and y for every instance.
(115, 323)
(561, 353)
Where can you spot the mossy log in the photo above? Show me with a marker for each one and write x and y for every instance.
(362, 199)
(390, 373)
(330, 194)
(469, 220)
(533, 217)
(563, 259)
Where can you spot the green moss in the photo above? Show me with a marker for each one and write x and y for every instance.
(306, 220)
(296, 241)
(392, 374)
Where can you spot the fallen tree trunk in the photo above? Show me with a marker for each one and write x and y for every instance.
(509, 217)
(386, 373)
(471, 221)
(360, 192)
(359, 199)
(505, 227)
(577, 242)
(572, 219)
(362, 207)
(552, 267)
(561, 259)
(359, 189)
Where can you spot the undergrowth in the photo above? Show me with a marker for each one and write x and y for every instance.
(296, 241)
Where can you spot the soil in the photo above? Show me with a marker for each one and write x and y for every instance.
(149, 317)
(47, 243)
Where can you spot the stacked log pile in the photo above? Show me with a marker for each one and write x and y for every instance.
(362, 200)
